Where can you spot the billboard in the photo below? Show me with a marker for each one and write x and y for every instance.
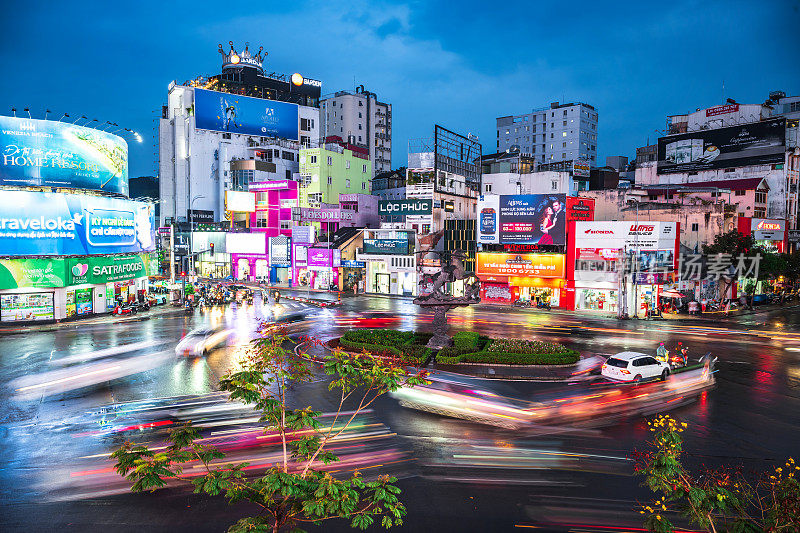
(310, 214)
(626, 235)
(580, 208)
(39, 223)
(757, 143)
(107, 269)
(768, 229)
(246, 243)
(386, 246)
(405, 207)
(520, 265)
(324, 257)
(240, 201)
(19, 273)
(233, 113)
(60, 154)
(522, 219)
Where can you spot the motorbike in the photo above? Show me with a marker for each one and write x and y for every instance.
(543, 305)
(521, 303)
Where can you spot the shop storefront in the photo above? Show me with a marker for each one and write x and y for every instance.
(530, 277)
(280, 260)
(353, 273)
(56, 289)
(395, 274)
(323, 265)
(619, 267)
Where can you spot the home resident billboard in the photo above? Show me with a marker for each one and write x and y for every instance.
(757, 143)
(233, 113)
(59, 154)
(522, 219)
(38, 223)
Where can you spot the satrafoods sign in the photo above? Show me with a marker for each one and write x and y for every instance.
(625, 234)
(106, 269)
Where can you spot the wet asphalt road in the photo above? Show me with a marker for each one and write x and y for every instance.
(752, 417)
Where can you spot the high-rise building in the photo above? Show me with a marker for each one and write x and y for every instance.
(227, 131)
(553, 134)
(357, 117)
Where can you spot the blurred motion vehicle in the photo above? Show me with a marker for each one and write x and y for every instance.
(369, 320)
(202, 341)
(634, 366)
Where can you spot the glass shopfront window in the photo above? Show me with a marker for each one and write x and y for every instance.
(596, 300)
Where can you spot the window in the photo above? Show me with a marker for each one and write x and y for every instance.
(359, 138)
(695, 226)
(347, 164)
(488, 187)
(554, 185)
(330, 160)
(285, 224)
(364, 168)
(565, 123)
(761, 197)
(330, 180)
(261, 219)
(261, 197)
(288, 174)
(359, 125)
(652, 197)
(359, 114)
(347, 183)
(563, 145)
(360, 103)
(565, 112)
(363, 185)
(563, 133)
(740, 193)
(551, 135)
(563, 155)
(759, 213)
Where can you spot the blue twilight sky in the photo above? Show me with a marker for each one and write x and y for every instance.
(461, 64)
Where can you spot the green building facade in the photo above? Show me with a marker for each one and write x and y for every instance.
(329, 171)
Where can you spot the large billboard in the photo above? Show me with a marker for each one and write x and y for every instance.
(520, 265)
(626, 235)
(522, 219)
(59, 154)
(768, 229)
(233, 113)
(39, 223)
(757, 143)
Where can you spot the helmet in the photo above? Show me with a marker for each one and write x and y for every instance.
(661, 343)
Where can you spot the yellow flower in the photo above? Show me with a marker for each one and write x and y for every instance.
(658, 517)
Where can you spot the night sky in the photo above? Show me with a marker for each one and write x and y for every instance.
(461, 64)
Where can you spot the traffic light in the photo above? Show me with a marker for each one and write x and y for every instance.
(211, 248)
(183, 274)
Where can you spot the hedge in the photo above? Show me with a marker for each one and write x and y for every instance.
(401, 344)
(376, 349)
(466, 340)
(521, 346)
(565, 358)
(386, 337)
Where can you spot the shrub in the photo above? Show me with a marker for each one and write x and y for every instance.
(466, 340)
(520, 346)
(375, 349)
(565, 358)
(415, 352)
(386, 337)
(448, 360)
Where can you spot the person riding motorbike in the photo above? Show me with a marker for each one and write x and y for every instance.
(661, 353)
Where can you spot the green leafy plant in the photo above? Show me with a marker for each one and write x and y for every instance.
(716, 500)
(293, 491)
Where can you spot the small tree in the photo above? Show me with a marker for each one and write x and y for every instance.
(293, 492)
(732, 242)
(716, 500)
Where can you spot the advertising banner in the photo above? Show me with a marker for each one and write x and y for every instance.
(582, 169)
(38, 223)
(240, 201)
(520, 265)
(271, 185)
(279, 251)
(107, 269)
(386, 246)
(200, 216)
(309, 214)
(320, 257)
(794, 235)
(232, 113)
(757, 143)
(60, 154)
(522, 219)
(19, 273)
(580, 208)
(27, 307)
(626, 235)
(405, 207)
(768, 229)
(246, 243)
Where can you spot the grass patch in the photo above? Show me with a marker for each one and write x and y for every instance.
(406, 345)
(507, 352)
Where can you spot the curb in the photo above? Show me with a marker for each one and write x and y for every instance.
(88, 322)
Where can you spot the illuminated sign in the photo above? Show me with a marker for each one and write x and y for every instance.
(308, 214)
(722, 109)
(768, 229)
(59, 154)
(38, 223)
(522, 219)
(531, 265)
(405, 207)
(297, 79)
(232, 113)
(240, 201)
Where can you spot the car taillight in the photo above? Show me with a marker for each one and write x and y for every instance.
(604, 366)
(624, 371)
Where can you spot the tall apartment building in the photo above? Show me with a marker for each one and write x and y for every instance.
(359, 118)
(560, 132)
(331, 170)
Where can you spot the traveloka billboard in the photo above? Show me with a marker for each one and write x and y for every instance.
(39, 223)
(233, 113)
(59, 154)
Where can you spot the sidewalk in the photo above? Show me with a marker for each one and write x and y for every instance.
(162, 310)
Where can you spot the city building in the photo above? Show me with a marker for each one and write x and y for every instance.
(73, 244)
(557, 133)
(358, 117)
(331, 170)
(224, 132)
(391, 264)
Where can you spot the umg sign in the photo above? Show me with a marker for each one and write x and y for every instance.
(405, 207)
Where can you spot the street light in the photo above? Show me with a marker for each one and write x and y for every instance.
(191, 232)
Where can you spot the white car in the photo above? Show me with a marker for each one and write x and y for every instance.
(634, 366)
(202, 341)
